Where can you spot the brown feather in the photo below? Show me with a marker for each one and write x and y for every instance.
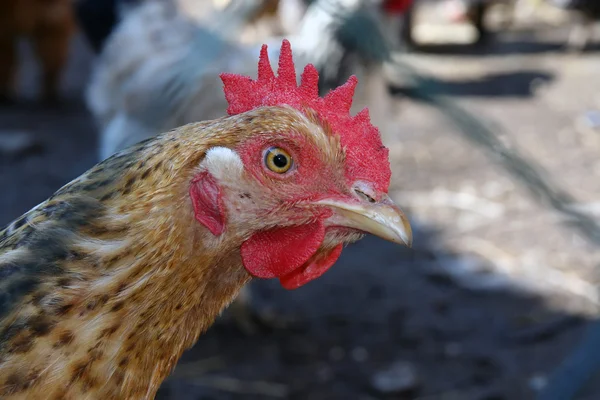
(107, 282)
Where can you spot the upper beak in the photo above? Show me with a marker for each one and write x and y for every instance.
(382, 218)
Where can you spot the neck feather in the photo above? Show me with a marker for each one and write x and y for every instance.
(137, 283)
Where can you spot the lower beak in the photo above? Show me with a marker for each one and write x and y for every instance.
(382, 218)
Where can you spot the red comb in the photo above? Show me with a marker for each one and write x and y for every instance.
(366, 156)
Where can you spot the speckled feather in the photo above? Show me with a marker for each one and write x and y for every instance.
(106, 283)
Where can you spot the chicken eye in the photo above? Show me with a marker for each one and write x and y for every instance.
(278, 160)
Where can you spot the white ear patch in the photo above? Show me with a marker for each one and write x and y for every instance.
(223, 163)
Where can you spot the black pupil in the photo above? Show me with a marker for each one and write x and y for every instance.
(280, 160)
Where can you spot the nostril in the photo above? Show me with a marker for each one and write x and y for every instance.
(365, 192)
(364, 196)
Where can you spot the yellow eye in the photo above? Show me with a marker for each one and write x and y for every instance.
(278, 160)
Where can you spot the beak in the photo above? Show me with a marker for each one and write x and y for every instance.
(382, 218)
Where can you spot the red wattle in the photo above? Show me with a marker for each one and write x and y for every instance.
(313, 270)
(277, 252)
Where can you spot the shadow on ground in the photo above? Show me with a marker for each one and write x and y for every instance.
(518, 84)
(517, 43)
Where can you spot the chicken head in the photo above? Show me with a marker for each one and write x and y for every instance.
(299, 177)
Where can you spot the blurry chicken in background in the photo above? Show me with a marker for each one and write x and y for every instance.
(159, 68)
(248, 20)
(49, 26)
(98, 18)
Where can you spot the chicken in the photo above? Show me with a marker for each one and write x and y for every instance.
(159, 67)
(49, 25)
(105, 284)
(98, 18)
(134, 94)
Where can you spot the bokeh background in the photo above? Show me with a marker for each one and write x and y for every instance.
(491, 112)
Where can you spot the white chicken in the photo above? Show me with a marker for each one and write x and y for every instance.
(159, 68)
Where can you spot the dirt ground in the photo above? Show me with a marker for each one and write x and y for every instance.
(496, 291)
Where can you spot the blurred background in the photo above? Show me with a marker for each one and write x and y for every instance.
(491, 112)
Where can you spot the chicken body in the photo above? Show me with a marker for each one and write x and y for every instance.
(106, 283)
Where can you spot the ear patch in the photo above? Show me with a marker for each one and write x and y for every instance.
(223, 163)
(207, 201)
